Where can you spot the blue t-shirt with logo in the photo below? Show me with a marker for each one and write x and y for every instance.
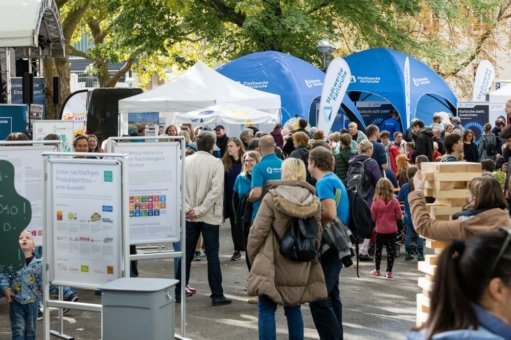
(269, 169)
(330, 186)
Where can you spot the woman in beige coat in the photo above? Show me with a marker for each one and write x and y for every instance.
(275, 279)
(488, 211)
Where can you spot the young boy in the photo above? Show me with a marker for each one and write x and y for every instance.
(22, 289)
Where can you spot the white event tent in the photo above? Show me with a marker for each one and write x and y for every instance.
(498, 99)
(225, 114)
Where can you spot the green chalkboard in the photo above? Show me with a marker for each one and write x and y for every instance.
(15, 215)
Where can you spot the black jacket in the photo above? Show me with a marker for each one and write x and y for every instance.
(424, 143)
(221, 142)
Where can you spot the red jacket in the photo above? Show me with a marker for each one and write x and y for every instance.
(385, 215)
(393, 153)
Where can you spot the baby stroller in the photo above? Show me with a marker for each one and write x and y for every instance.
(400, 239)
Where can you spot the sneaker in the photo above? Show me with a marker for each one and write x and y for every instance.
(388, 275)
(254, 300)
(236, 256)
(70, 298)
(420, 257)
(196, 256)
(375, 272)
(193, 290)
(39, 314)
(364, 257)
(221, 301)
(408, 257)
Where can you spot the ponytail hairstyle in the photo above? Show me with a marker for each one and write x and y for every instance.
(464, 271)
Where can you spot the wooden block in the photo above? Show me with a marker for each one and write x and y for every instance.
(435, 244)
(429, 278)
(442, 210)
(431, 259)
(450, 194)
(427, 268)
(425, 284)
(455, 176)
(439, 185)
(429, 177)
(444, 167)
(461, 185)
(451, 202)
(423, 301)
(474, 167)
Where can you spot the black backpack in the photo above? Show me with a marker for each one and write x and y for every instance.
(357, 180)
(360, 223)
(299, 241)
(491, 149)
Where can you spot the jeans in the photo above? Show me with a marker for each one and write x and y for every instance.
(23, 320)
(327, 314)
(38, 251)
(408, 239)
(210, 235)
(177, 247)
(267, 327)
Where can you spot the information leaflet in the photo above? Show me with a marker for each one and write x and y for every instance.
(87, 222)
(153, 191)
(28, 181)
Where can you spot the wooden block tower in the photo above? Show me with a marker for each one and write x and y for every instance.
(448, 183)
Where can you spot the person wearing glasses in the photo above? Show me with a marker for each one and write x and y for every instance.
(488, 211)
(471, 296)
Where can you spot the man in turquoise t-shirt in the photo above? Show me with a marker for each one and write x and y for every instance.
(270, 168)
(327, 314)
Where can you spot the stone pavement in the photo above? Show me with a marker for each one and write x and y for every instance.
(374, 307)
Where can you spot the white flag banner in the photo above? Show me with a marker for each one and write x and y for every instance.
(484, 78)
(407, 90)
(336, 83)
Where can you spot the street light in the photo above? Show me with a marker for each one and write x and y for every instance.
(326, 48)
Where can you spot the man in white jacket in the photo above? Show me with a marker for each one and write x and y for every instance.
(204, 205)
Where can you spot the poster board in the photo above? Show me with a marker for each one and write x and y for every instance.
(374, 112)
(65, 129)
(474, 115)
(154, 190)
(496, 110)
(13, 118)
(86, 207)
(28, 181)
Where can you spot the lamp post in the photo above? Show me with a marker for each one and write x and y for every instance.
(326, 48)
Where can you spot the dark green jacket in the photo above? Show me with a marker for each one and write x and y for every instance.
(341, 162)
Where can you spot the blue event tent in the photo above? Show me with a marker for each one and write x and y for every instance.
(298, 83)
(380, 74)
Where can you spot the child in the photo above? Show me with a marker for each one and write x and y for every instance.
(22, 289)
(403, 197)
(410, 152)
(385, 210)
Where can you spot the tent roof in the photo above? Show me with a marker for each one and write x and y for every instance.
(386, 73)
(501, 95)
(298, 82)
(197, 88)
(31, 26)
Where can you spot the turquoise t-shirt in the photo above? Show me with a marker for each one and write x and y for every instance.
(269, 169)
(330, 186)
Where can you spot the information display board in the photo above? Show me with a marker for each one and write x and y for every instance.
(28, 181)
(154, 195)
(86, 233)
(64, 129)
(474, 115)
(374, 112)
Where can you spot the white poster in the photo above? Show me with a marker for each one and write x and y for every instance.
(497, 110)
(336, 83)
(28, 181)
(154, 194)
(64, 129)
(86, 222)
(484, 78)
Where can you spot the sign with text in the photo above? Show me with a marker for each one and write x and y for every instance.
(474, 115)
(29, 183)
(86, 221)
(64, 129)
(12, 119)
(15, 216)
(154, 193)
(17, 91)
(374, 112)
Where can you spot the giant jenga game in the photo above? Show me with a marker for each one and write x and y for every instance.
(448, 183)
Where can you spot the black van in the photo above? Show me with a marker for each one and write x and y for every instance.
(103, 110)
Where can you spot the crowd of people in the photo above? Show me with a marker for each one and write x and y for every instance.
(262, 181)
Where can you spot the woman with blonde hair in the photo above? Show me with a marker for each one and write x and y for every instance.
(185, 134)
(274, 278)
(402, 168)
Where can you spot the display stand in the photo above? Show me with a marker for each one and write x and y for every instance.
(159, 161)
(85, 244)
(448, 183)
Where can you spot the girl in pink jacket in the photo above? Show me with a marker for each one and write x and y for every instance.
(385, 210)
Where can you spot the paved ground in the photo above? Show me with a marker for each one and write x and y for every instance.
(374, 307)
